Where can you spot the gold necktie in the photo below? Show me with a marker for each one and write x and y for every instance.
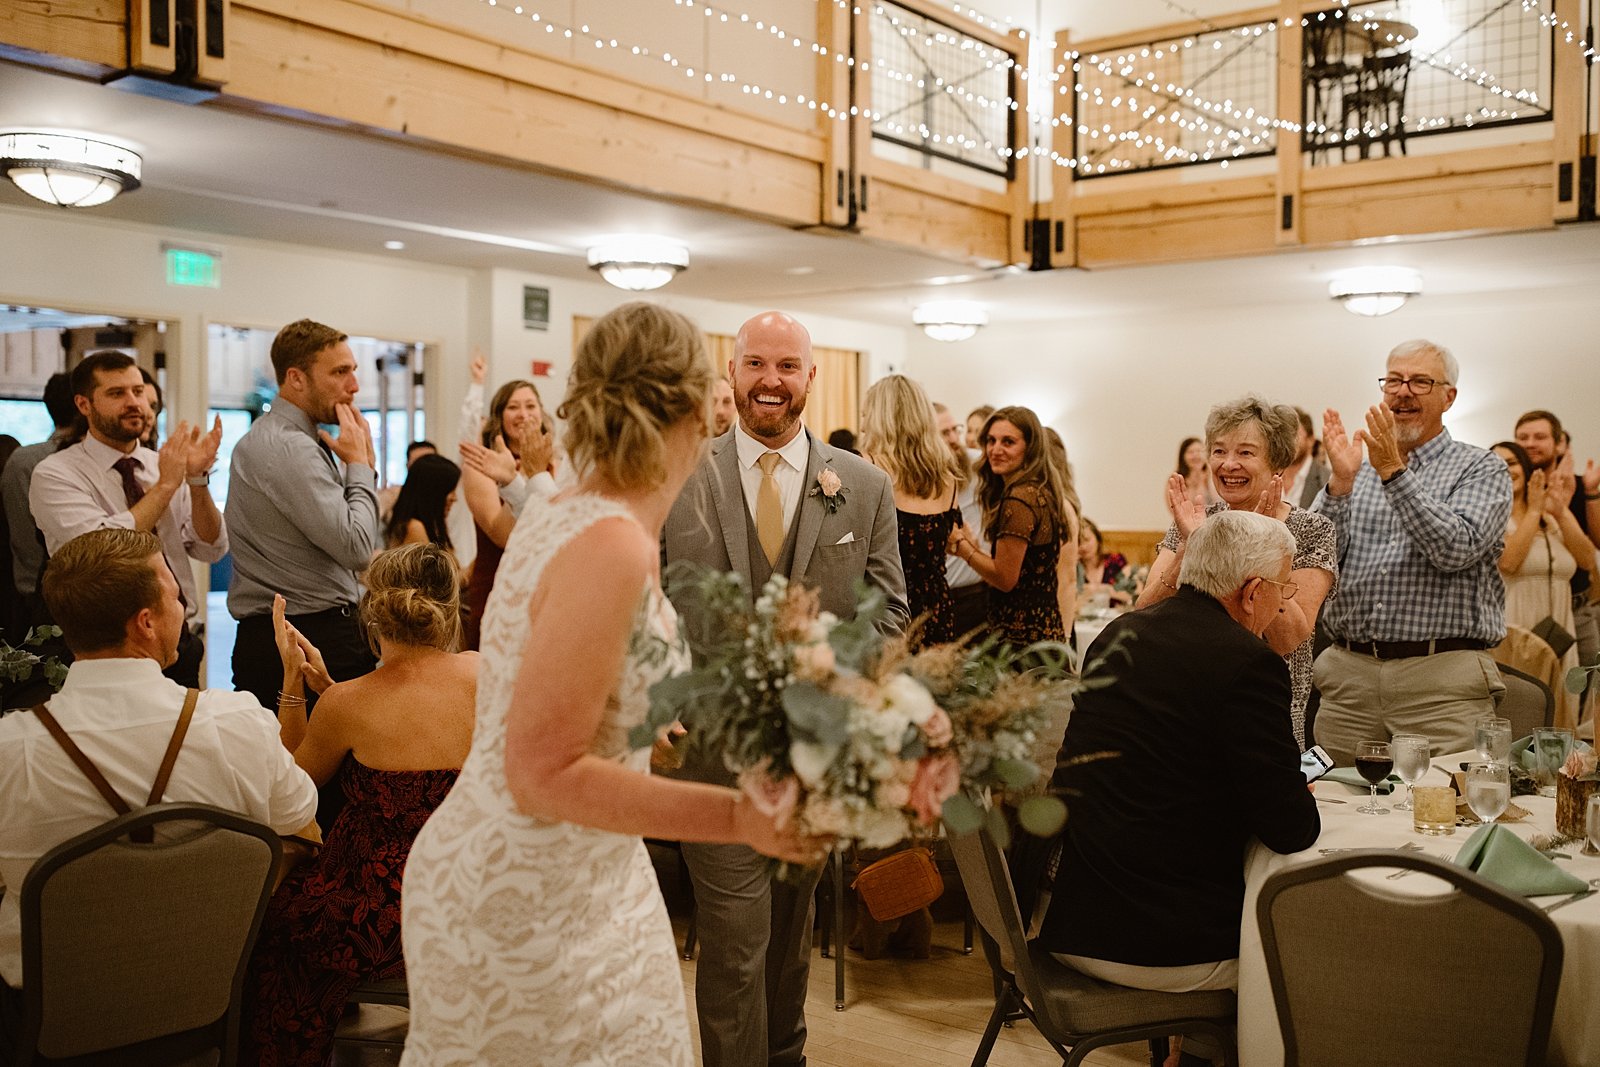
(769, 509)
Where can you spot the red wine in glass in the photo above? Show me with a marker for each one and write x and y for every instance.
(1374, 769)
(1374, 761)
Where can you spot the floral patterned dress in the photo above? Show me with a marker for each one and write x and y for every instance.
(922, 544)
(335, 924)
(1030, 612)
(536, 942)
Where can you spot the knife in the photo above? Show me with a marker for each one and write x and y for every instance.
(1569, 900)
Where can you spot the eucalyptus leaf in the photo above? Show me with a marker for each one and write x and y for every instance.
(962, 815)
(995, 823)
(1577, 679)
(1016, 773)
(1042, 816)
(815, 715)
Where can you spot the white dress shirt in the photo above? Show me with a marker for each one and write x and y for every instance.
(790, 473)
(121, 713)
(78, 489)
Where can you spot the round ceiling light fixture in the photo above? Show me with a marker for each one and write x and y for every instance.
(638, 264)
(67, 170)
(1374, 291)
(950, 320)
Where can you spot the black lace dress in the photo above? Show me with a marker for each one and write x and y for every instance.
(922, 545)
(1030, 611)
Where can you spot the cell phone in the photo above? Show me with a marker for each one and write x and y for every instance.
(1315, 762)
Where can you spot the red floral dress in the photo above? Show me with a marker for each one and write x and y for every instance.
(336, 923)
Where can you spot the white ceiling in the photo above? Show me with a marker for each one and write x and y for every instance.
(214, 170)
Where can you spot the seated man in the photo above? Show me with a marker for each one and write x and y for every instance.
(1195, 710)
(117, 604)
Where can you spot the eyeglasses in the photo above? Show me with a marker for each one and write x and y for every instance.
(1419, 386)
(1285, 589)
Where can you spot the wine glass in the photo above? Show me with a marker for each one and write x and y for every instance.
(1492, 739)
(1373, 762)
(1488, 790)
(1591, 826)
(1412, 760)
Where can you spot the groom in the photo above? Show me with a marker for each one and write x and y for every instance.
(762, 503)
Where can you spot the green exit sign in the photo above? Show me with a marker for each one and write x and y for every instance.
(188, 267)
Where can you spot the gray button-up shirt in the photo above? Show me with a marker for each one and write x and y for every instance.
(26, 551)
(300, 524)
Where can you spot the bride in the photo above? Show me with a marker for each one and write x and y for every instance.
(533, 928)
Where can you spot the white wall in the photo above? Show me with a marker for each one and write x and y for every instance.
(56, 260)
(1124, 391)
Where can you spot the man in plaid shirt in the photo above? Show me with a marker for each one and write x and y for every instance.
(1421, 525)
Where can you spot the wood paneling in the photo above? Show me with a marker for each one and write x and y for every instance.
(938, 214)
(84, 37)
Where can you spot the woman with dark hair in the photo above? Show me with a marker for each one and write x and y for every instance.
(1250, 441)
(1195, 472)
(1099, 570)
(1024, 513)
(514, 427)
(395, 739)
(424, 501)
(1544, 548)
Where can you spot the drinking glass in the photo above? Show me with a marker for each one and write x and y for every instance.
(1551, 746)
(1373, 762)
(1411, 762)
(1492, 738)
(1591, 826)
(1435, 810)
(1488, 790)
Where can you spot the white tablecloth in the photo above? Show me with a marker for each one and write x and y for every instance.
(1575, 1035)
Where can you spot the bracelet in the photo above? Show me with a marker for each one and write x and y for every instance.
(1591, 496)
(286, 698)
(199, 481)
(1166, 581)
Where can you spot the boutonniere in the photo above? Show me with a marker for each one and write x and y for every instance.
(830, 488)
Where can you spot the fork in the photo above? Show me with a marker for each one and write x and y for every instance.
(1564, 901)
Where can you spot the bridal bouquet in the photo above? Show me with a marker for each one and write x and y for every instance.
(833, 724)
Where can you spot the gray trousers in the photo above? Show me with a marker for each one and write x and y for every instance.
(1586, 628)
(755, 956)
(1439, 696)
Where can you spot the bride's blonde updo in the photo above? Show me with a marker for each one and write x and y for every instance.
(413, 597)
(639, 370)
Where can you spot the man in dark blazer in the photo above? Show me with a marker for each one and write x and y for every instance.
(1195, 707)
(771, 499)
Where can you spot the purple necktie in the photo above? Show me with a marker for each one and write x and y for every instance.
(128, 467)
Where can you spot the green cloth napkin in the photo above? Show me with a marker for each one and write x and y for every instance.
(1522, 752)
(1499, 855)
(1350, 776)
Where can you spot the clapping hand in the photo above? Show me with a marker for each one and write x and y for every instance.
(1591, 479)
(536, 448)
(203, 451)
(1559, 487)
(497, 463)
(1344, 453)
(1271, 498)
(354, 443)
(1383, 447)
(479, 367)
(1187, 512)
(1537, 489)
(172, 463)
(299, 656)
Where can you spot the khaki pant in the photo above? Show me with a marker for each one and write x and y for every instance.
(1439, 696)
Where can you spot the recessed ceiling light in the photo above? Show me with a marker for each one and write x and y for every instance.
(800, 270)
(394, 246)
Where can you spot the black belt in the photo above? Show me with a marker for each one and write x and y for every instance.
(1410, 649)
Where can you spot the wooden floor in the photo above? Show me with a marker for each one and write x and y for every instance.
(898, 1013)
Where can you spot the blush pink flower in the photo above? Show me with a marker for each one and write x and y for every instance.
(938, 729)
(814, 662)
(938, 778)
(775, 798)
(829, 482)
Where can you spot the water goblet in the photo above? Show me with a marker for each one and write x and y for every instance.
(1488, 790)
(1591, 826)
(1373, 762)
(1411, 762)
(1492, 739)
(1551, 746)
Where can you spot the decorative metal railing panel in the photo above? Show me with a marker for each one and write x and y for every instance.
(1204, 98)
(942, 93)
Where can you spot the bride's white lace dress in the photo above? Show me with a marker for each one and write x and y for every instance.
(531, 942)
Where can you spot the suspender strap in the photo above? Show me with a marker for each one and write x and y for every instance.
(98, 780)
(86, 765)
(159, 786)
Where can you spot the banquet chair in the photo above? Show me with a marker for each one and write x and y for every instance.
(1075, 1013)
(1378, 104)
(136, 953)
(1527, 701)
(1469, 975)
(392, 991)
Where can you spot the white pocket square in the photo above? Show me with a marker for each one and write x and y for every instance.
(846, 539)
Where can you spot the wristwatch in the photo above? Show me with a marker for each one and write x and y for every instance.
(199, 481)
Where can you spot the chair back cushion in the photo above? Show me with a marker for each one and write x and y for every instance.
(1468, 973)
(132, 942)
(1527, 701)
